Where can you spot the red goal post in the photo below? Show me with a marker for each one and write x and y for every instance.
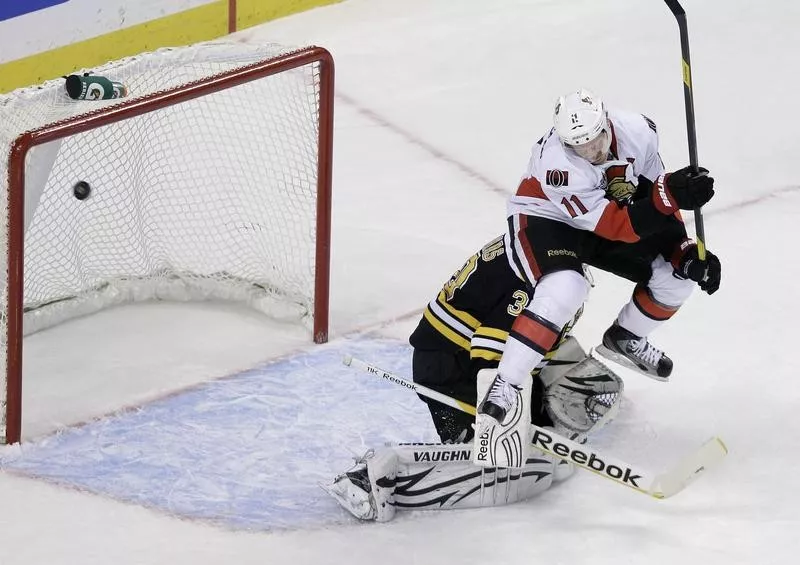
(198, 140)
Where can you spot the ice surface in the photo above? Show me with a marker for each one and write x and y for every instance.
(439, 104)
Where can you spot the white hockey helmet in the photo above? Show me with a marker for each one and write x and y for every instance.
(581, 122)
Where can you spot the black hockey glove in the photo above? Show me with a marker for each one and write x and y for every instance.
(690, 189)
(706, 274)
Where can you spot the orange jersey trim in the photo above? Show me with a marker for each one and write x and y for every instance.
(615, 224)
(531, 188)
(649, 307)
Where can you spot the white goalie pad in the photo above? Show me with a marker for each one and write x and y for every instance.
(438, 477)
(503, 444)
(581, 393)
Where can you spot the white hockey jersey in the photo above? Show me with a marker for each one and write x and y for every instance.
(562, 186)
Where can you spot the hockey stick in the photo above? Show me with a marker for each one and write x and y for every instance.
(662, 485)
(688, 100)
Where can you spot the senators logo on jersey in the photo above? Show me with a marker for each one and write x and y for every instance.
(618, 188)
(557, 178)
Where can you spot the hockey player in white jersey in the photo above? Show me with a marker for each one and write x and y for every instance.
(595, 192)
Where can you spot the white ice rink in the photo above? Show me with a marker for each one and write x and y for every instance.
(438, 103)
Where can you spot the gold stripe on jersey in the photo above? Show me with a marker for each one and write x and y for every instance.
(462, 316)
(458, 337)
(456, 323)
(485, 354)
(493, 333)
(488, 343)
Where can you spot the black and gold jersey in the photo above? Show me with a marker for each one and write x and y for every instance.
(475, 308)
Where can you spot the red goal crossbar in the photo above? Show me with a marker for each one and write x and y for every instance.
(135, 107)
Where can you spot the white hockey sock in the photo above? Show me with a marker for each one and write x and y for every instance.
(633, 320)
(556, 299)
(653, 304)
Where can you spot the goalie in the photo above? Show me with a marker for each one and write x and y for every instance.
(463, 330)
(458, 343)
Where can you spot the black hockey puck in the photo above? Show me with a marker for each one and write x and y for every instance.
(81, 190)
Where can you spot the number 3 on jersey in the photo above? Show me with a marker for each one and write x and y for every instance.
(578, 204)
(460, 277)
(490, 251)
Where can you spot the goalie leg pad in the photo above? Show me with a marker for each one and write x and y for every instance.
(563, 470)
(503, 444)
(442, 477)
(438, 477)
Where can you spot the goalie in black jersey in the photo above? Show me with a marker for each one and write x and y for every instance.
(457, 346)
(464, 330)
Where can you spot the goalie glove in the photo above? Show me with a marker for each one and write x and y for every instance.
(687, 264)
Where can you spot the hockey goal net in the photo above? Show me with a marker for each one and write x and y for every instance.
(210, 180)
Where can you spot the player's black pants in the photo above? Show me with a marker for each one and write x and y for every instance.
(451, 374)
(555, 246)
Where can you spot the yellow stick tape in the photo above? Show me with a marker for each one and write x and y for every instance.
(198, 24)
(687, 74)
(254, 12)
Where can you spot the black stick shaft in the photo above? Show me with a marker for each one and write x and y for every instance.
(688, 98)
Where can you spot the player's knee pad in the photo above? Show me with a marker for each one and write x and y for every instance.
(559, 295)
(665, 287)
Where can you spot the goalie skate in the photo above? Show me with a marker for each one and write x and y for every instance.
(502, 423)
(353, 492)
(366, 490)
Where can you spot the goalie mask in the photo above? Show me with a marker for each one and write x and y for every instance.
(581, 122)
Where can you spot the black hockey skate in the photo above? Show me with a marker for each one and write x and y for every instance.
(634, 352)
(501, 397)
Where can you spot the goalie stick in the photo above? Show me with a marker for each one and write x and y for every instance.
(661, 485)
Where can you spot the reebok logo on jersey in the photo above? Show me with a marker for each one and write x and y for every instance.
(557, 178)
(561, 253)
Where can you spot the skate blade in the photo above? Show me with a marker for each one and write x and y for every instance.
(361, 511)
(619, 359)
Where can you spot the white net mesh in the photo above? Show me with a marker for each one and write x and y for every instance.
(214, 198)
